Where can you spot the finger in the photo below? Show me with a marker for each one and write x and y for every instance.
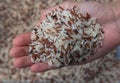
(19, 51)
(22, 62)
(21, 40)
(40, 67)
(90, 59)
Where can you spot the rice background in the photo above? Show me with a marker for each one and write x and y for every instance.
(20, 16)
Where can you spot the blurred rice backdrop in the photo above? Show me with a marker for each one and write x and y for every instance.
(20, 16)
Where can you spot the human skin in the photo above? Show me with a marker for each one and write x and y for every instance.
(107, 17)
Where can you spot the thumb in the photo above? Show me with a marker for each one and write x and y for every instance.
(64, 5)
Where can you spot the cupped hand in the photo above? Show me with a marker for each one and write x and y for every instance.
(104, 16)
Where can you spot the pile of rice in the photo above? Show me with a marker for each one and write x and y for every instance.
(19, 16)
(65, 37)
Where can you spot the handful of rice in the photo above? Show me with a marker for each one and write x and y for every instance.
(65, 37)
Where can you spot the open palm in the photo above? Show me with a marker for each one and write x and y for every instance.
(105, 17)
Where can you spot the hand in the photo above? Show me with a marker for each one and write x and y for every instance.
(105, 17)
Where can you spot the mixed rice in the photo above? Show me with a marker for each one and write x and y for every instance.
(65, 37)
